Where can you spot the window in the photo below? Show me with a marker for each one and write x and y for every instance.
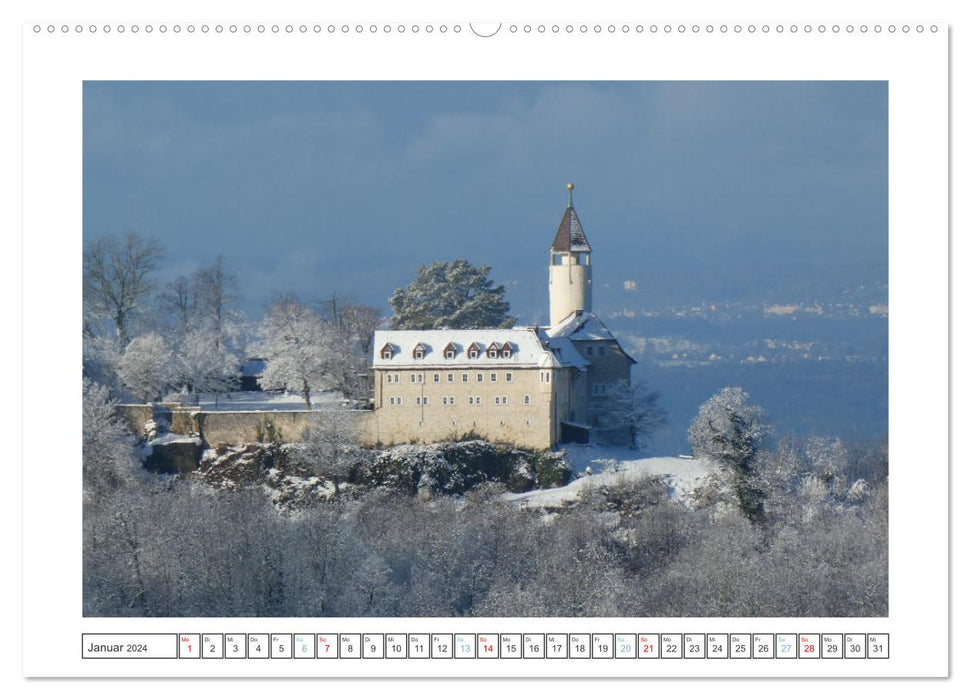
(473, 351)
(596, 390)
(508, 376)
(493, 353)
(418, 378)
(526, 400)
(449, 351)
(465, 377)
(419, 352)
(448, 400)
(493, 377)
(544, 377)
(393, 377)
(394, 400)
(387, 352)
(450, 377)
(475, 400)
(479, 377)
(589, 349)
(436, 377)
(502, 400)
(421, 400)
(602, 351)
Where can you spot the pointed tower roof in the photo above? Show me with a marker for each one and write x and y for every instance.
(570, 236)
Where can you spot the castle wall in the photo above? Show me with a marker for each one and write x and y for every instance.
(612, 368)
(424, 416)
(231, 427)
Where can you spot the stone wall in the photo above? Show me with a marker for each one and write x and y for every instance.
(241, 427)
(230, 427)
(134, 417)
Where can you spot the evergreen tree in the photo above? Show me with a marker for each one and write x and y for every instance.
(729, 431)
(451, 295)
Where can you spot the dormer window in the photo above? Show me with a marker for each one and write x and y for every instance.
(419, 352)
(450, 351)
(507, 350)
(493, 351)
(387, 352)
(474, 351)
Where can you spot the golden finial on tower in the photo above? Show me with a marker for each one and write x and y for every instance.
(570, 186)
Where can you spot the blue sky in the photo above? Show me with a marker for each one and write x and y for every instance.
(695, 191)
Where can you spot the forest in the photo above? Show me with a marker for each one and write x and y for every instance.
(799, 529)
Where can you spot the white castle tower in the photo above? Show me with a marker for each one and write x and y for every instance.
(571, 275)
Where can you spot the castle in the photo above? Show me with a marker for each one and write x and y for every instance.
(534, 386)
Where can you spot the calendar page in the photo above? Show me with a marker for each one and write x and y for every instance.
(537, 345)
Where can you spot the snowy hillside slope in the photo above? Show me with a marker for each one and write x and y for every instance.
(605, 466)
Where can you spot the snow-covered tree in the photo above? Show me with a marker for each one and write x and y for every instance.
(116, 279)
(350, 335)
(451, 295)
(632, 413)
(331, 445)
(146, 367)
(729, 431)
(99, 361)
(204, 364)
(296, 346)
(107, 448)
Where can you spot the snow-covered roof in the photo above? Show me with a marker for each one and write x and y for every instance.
(580, 326)
(569, 236)
(566, 352)
(526, 348)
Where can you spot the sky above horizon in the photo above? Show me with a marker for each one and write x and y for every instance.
(690, 191)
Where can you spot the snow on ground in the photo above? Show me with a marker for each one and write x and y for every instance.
(611, 465)
(263, 401)
(169, 438)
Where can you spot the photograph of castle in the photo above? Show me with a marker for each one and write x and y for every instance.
(345, 354)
